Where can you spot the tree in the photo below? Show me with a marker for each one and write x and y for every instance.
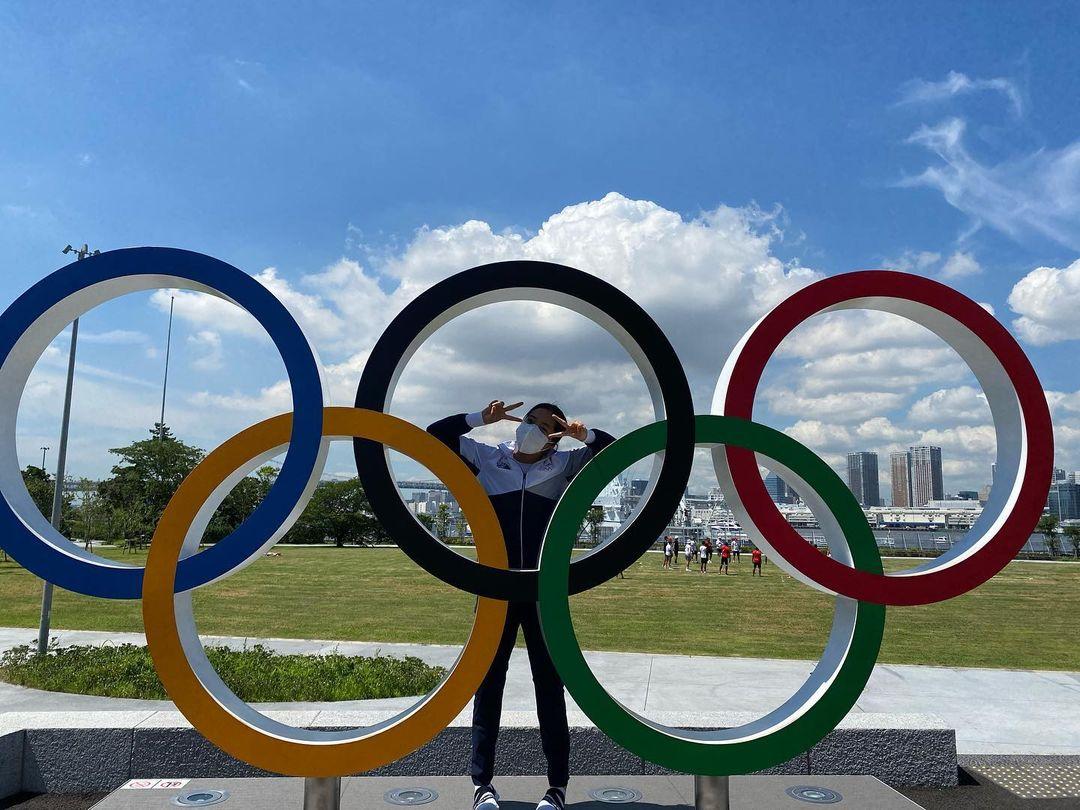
(241, 501)
(236, 507)
(339, 512)
(442, 521)
(1073, 533)
(1048, 525)
(41, 486)
(266, 475)
(129, 522)
(592, 523)
(88, 518)
(148, 474)
(460, 525)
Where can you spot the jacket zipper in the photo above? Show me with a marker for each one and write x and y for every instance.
(521, 518)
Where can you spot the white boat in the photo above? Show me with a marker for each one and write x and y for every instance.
(722, 523)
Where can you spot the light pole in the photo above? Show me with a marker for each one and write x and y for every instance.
(165, 382)
(61, 460)
(44, 450)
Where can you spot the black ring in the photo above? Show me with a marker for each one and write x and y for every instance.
(556, 283)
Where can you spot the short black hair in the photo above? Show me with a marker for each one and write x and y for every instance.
(555, 409)
(551, 406)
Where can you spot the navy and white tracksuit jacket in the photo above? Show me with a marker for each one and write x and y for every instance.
(524, 497)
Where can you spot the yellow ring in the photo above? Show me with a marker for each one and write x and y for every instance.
(334, 754)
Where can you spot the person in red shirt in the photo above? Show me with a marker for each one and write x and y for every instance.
(755, 557)
(725, 556)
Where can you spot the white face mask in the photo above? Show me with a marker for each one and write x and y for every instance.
(529, 438)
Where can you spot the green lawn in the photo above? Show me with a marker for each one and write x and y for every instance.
(1023, 618)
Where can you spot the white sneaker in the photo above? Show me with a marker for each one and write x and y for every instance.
(485, 798)
(554, 799)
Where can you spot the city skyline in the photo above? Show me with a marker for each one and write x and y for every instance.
(706, 201)
(916, 476)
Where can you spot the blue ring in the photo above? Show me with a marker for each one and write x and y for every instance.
(109, 581)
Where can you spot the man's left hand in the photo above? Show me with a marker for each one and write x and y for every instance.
(575, 429)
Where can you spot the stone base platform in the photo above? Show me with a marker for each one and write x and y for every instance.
(518, 793)
(68, 752)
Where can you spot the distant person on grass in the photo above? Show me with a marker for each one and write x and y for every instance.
(725, 555)
(735, 548)
(688, 550)
(667, 553)
(674, 550)
(524, 479)
(755, 558)
(703, 557)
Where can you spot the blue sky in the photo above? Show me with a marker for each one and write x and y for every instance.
(348, 145)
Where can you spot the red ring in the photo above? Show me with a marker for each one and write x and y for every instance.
(909, 589)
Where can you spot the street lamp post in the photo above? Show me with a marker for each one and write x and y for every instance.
(44, 450)
(61, 460)
(165, 382)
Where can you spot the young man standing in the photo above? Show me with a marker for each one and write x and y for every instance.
(755, 558)
(524, 479)
(725, 556)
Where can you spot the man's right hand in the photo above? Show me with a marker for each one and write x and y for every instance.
(498, 411)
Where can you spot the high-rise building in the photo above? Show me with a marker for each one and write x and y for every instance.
(900, 464)
(777, 488)
(927, 483)
(1058, 476)
(862, 473)
(1064, 500)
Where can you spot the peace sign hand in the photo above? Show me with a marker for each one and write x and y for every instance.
(498, 411)
(575, 429)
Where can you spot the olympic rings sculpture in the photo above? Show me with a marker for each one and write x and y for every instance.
(852, 573)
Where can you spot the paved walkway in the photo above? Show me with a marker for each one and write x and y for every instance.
(994, 711)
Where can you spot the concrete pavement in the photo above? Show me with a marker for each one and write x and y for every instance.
(993, 711)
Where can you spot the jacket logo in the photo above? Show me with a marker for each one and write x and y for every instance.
(503, 464)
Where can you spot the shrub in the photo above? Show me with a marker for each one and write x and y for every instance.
(255, 674)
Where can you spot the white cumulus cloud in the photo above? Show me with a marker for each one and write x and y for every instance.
(1046, 299)
(704, 277)
(929, 263)
(959, 265)
(962, 405)
(320, 322)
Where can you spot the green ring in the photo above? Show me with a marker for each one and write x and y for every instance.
(782, 733)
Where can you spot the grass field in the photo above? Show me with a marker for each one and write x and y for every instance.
(1023, 618)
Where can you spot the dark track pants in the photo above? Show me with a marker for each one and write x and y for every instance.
(550, 701)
